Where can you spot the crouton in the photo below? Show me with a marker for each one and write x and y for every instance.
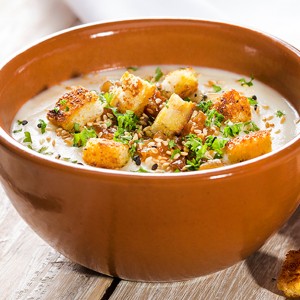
(133, 94)
(182, 82)
(248, 146)
(77, 106)
(172, 118)
(289, 277)
(104, 153)
(233, 107)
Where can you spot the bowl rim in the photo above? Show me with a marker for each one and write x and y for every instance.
(256, 164)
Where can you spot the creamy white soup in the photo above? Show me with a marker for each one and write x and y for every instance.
(157, 119)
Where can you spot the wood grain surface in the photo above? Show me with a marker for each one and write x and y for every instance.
(30, 269)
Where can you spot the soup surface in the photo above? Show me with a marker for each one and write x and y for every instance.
(157, 119)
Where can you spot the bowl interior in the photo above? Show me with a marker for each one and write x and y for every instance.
(147, 42)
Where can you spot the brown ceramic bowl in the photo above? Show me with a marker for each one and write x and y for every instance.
(151, 227)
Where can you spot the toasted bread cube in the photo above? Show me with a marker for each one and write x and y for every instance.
(182, 82)
(77, 106)
(249, 146)
(172, 118)
(234, 107)
(133, 94)
(289, 277)
(104, 153)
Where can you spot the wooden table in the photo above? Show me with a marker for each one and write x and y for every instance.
(30, 269)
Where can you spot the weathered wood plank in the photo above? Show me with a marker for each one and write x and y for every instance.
(254, 278)
(30, 269)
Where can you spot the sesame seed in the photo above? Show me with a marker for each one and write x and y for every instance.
(158, 140)
(183, 153)
(151, 144)
(176, 156)
(53, 143)
(169, 152)
(282, 120)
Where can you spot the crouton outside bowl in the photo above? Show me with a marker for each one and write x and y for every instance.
(150, 227)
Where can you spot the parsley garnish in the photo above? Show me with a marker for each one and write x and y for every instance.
(158, 74)
(279, 114)
(187, 99)
(42, 125)
(126, 123)
(174, 152)
(141, 170)
(81, 138)
(196, 153)
(244, 82)
(252, 100)
(63, 102)
(56, 109)
(22, 122)
(106, 97)
(132, 68)
(27, 138)
(250, 126)
(232, 130)
(17, 130)
(214, 117)
(216, 144)
(171, 144)
(76, 127)
(216, 88)
(204, 106)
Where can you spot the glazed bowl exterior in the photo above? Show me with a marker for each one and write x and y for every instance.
(150, 227)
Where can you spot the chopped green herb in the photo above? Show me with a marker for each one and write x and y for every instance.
(67, 108)
(216, 88)
(244, 82)
(279, 114)
(22, 122)
(252, 101)
(127, 121)
(132, 68)
(250, 126)
(196, 153)
(80, 139)
(171, 144)
(106, 97)
(43, 149)
(141, 170)
(56, 109)
(76, 127)
(187, 99)
(17, 130)
(174, 152)
(204, 106)
(27, 138)
(158, 74)
(214, 117)
(63, 102)
(216, 144)
(42, 125)
(232, 130)
(133, 148)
